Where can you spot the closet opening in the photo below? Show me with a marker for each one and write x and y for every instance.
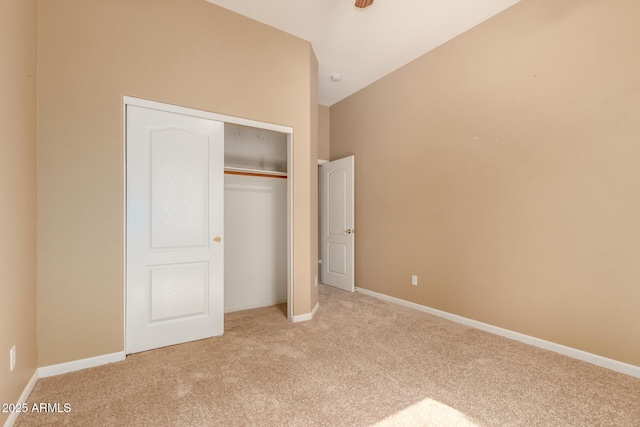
(208, 202)
(255, 225)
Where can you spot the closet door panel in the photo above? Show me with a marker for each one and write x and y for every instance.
(179, 189)
(175, 225)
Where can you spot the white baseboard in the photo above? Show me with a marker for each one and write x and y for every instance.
(252, 306)
(594, 359)
(305, 317)
(22, 399)
(77, 365)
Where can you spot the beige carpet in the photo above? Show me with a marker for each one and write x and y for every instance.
(359, 362)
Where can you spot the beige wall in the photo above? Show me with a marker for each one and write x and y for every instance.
(502, 169)
(183, 52)
(324, 130)
(18, 33)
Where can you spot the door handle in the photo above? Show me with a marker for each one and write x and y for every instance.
(349, 230)
(217, 239)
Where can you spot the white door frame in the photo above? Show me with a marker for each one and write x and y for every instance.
(127, 100)
(320, 219)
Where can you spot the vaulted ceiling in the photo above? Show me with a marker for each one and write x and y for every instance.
(365, 45)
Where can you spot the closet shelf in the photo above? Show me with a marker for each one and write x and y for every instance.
(254, 172)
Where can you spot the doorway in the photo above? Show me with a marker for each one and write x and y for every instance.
(337, 223)
(255, 203)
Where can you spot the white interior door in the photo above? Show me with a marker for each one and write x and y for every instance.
(175, 208)
(337, 227)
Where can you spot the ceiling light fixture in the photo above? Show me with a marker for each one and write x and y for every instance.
(336, 77)
(363, 4)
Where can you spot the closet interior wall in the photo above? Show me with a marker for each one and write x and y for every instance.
(255, 211)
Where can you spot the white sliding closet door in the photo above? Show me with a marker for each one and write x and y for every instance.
(175, 208)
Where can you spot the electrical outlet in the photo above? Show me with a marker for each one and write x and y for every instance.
(414, 280)
(12, 358)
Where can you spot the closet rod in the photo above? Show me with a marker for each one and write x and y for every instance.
(254, 172)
